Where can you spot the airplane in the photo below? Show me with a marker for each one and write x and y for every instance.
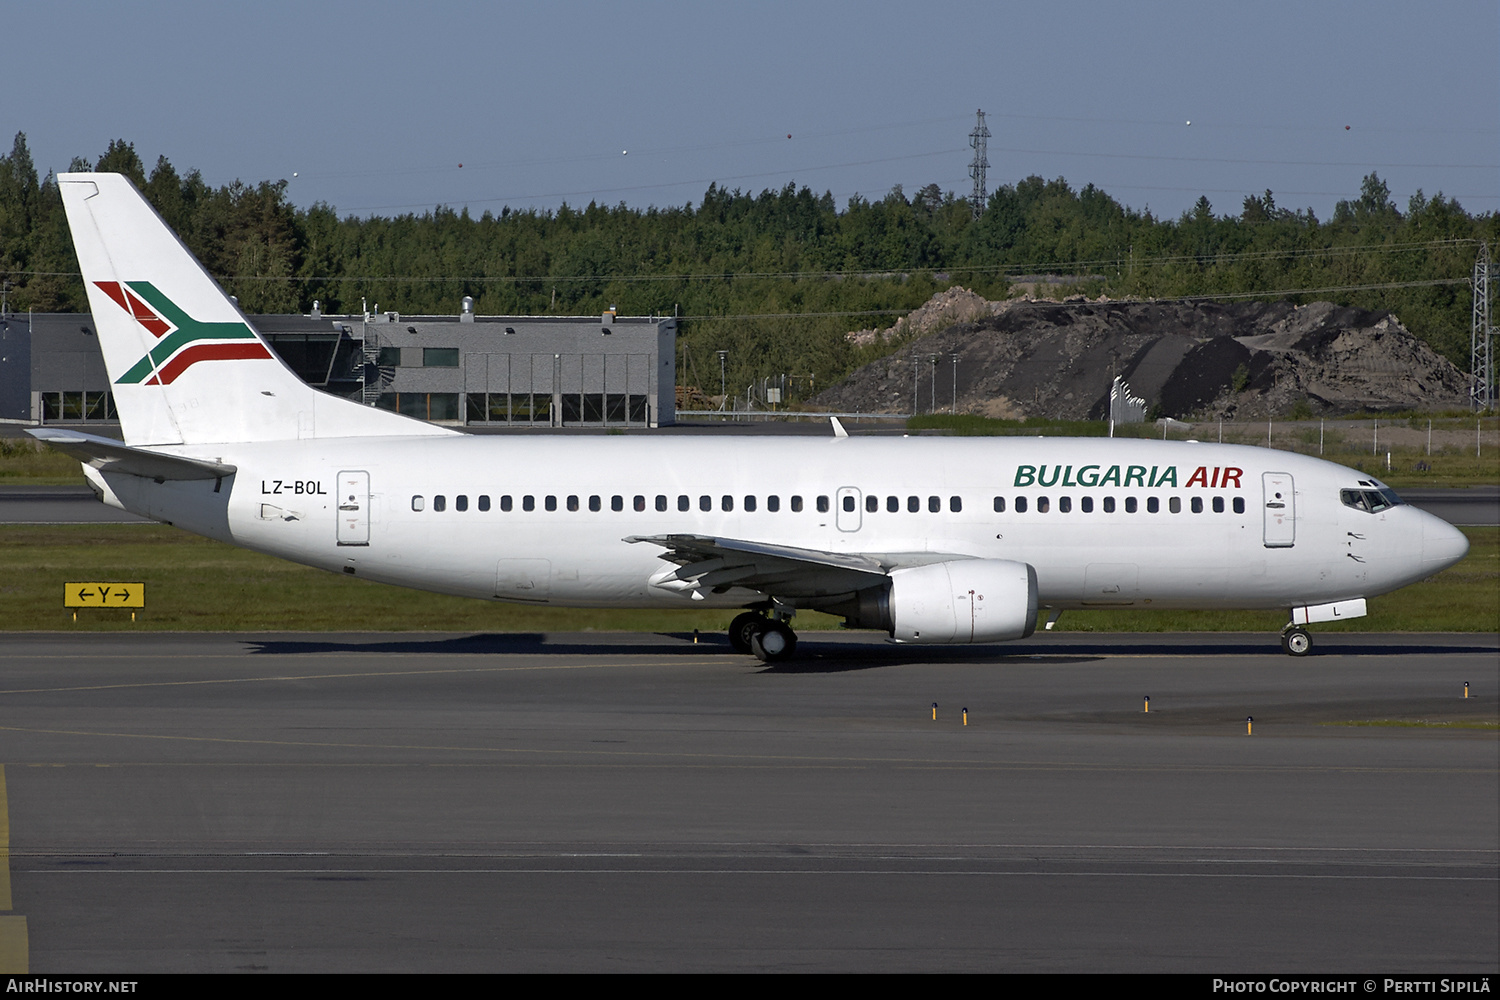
(930, 540)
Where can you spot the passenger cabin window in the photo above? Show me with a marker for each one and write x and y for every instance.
(550, 503)
(822, 505)
(595, 503)
(1020, 505)
(872, 504)
(461, 502)
(934, 505)
(999, 505)
(705, 503)
(661, 502)
(617, 502)
(848, 504)
(726, 503)
(1152, 505)
(1218, 505)
(439, 502)
(684, 503)
(750, 503)
(914, 504)
(796, 505)
(1109, 505)
(505, 503)
(955, 504)
(572, 502)
(893, 505)
(1239, 505)
(773, 503)
(1043, 505)
(1130, 505)
(417, 503)
(484, 501)
(1174, 504)
(1086, 505)
(1197, 505)
(1064, 504)
(528, 503)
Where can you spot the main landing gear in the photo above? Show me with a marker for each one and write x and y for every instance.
(769, 639)
(1295, 641)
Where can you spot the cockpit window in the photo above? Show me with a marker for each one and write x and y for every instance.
(1371, 501)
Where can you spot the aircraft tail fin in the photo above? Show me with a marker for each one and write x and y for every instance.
(184, 364)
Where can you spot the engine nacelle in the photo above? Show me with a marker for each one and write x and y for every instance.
(966, 600)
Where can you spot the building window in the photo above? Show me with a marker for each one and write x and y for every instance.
(439, 357)
(389, 357)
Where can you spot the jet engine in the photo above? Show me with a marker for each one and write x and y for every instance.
(965, 600)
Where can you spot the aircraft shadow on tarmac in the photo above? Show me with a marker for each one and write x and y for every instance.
(815, 656)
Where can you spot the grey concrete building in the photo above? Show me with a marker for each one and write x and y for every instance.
(605, 371)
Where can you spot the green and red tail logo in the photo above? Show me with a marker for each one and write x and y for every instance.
(181, 340)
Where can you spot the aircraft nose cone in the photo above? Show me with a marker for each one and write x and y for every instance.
(1442, 545)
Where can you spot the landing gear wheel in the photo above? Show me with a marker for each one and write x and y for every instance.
(774, 642)
(1296, 642)
(743, 627)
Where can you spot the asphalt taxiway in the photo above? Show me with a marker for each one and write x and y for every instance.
(592, 802)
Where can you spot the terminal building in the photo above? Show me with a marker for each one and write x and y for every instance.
(481, 371)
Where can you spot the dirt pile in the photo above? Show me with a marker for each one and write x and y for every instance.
(1057, 359)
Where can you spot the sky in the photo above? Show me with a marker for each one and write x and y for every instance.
(380, 108)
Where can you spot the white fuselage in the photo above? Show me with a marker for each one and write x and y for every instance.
(1307, 548)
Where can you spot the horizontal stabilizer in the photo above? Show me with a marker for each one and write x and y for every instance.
(109, 455)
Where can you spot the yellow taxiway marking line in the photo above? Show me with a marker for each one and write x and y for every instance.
(717, 759)
(14, 949)
(355, 675)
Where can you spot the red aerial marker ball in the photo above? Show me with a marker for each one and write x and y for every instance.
(1346, 128)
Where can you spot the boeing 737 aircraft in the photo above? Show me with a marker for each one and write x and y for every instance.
(955, 540)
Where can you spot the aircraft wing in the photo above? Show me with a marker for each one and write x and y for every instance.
(109, 455)
(706, 563)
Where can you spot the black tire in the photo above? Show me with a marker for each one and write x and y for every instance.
(1296, 642)
(774, 642)
(743, 627)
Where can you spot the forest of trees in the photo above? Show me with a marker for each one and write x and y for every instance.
(777, 277)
